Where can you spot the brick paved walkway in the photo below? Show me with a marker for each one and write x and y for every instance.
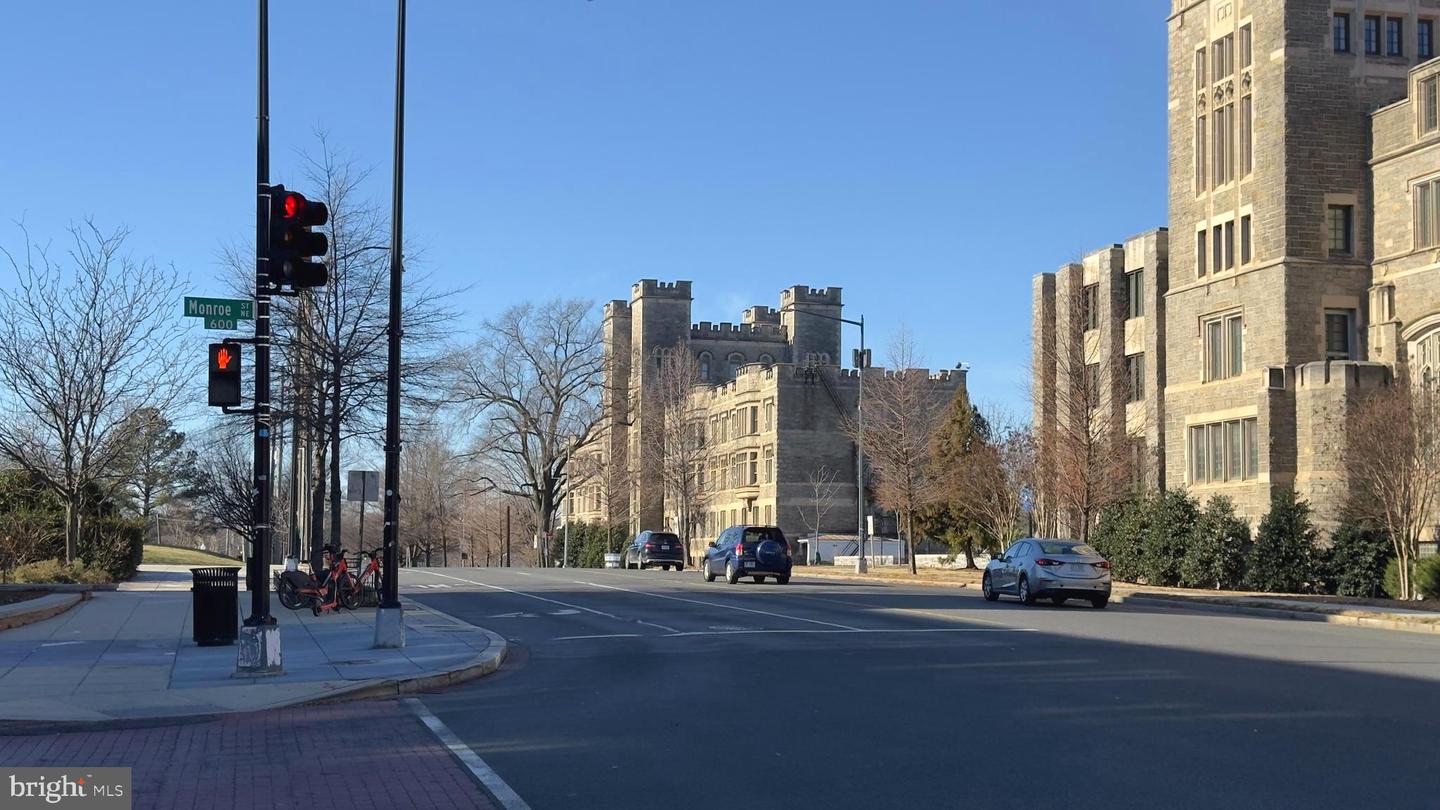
(370, 754)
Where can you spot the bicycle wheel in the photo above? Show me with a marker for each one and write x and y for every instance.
(289, 595)
(349, 592)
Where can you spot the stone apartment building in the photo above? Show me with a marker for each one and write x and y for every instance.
(771, 396)
(1301, 264)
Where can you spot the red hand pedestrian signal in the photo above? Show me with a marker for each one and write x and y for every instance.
(224, 374)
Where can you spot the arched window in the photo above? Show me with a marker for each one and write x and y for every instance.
(767, 360)
(824, 358)
(733, 364)
(1425, 360)
(704, 366)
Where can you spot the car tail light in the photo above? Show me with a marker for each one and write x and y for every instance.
(1047, 562)
(649, 546)
(739, 549)
(1105, 564)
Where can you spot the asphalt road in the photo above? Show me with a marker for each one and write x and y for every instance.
(651, 689)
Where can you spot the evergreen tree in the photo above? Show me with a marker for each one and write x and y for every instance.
(1219, 545)
(1283, 557)
(1117, 537)
(963, 433)
(1169, 524)
(155, 465)
(1359, 552)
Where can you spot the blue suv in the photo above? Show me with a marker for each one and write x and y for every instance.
(748, 551)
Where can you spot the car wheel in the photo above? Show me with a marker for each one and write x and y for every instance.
(680, 567)
(706, 572)
(988, 589)
(1058, 600)
(759, 580)
(732, 575)
(783, 580)
(1023, 591)
(1099, 602)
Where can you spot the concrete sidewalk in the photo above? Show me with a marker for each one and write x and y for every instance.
(127, 655)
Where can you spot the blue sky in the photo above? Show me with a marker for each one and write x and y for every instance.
(928, 156)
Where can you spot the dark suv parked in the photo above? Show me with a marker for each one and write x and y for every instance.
(748, 551)
(655, 548)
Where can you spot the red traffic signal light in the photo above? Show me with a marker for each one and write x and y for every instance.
(224, 374)
(296, 250)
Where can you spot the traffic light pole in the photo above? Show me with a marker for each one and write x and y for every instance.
(389, 617)
(259, 649)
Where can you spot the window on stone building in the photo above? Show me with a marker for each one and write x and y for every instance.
(1224, 451)
(1245, 247)
(1201, 179)
(1224, 144)
(1217, 249)
(703, 364)
(733, 364)
(1222, 54)
(1427, 214)
(753, 469)
(767, 360)
(1341, 33)
(1200, 76)
(1135, 294)
(768, 520)
(1200, 239)
(1339, 334)
(1430, 104)
(770, 464)
(1229, 239)
(1247, 136)
(1092, 385)
(1425, 361)
(1245, 46)
(1340, 225)
(1090, 306)
(1425, 39)
(1372, 36)
(1224, 338)
(1394, 36)
(1135, 377)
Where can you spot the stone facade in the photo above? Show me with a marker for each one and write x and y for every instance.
(1296, 279)
(773, 400)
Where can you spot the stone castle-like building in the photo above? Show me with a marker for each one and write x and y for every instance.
(1302, 262)
(771, 395)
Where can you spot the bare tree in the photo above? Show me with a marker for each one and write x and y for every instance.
(989, 486)
(80, 351)
(823, 485)
(225, 479)
(534, 379)
(1392, 456)
(1088, 459)
(902, 414)
(431, 479)
(681, 453)
(604, 479)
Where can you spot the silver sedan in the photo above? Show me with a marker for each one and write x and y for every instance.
(1035, 568)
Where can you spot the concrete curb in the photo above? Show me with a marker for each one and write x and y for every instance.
(485, 663)
(1381, 621)
(39, 609)
(60, 587)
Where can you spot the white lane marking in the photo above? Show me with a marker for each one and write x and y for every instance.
(565, 612)
(530, 595)
(659, 627)
(717, 605)
(483, 773)
(816, 632)
(519, 614)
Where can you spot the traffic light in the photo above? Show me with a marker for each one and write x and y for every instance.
(225, 374)
(296, 250)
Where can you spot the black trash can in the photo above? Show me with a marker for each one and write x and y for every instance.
(215, 602)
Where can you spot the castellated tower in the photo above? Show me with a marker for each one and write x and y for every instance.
(813, 340)
(660, 320)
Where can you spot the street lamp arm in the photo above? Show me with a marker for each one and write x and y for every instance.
(792, 308)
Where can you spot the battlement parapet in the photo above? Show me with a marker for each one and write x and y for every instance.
(768, 332)
(617, 309)
(761, 314)
(801, 294)
(652, 288)
(1341, 376)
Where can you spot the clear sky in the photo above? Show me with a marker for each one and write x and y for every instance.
(929, 156)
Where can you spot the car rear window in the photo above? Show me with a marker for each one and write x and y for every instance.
(657, 537)
(1054, 547)
(758, 534)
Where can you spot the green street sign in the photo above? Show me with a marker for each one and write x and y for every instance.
(219, 309)
(221, 323)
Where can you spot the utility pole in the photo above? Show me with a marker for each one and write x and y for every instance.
(389, 617)
(258, 652)
(565, 502)
(507, 535)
